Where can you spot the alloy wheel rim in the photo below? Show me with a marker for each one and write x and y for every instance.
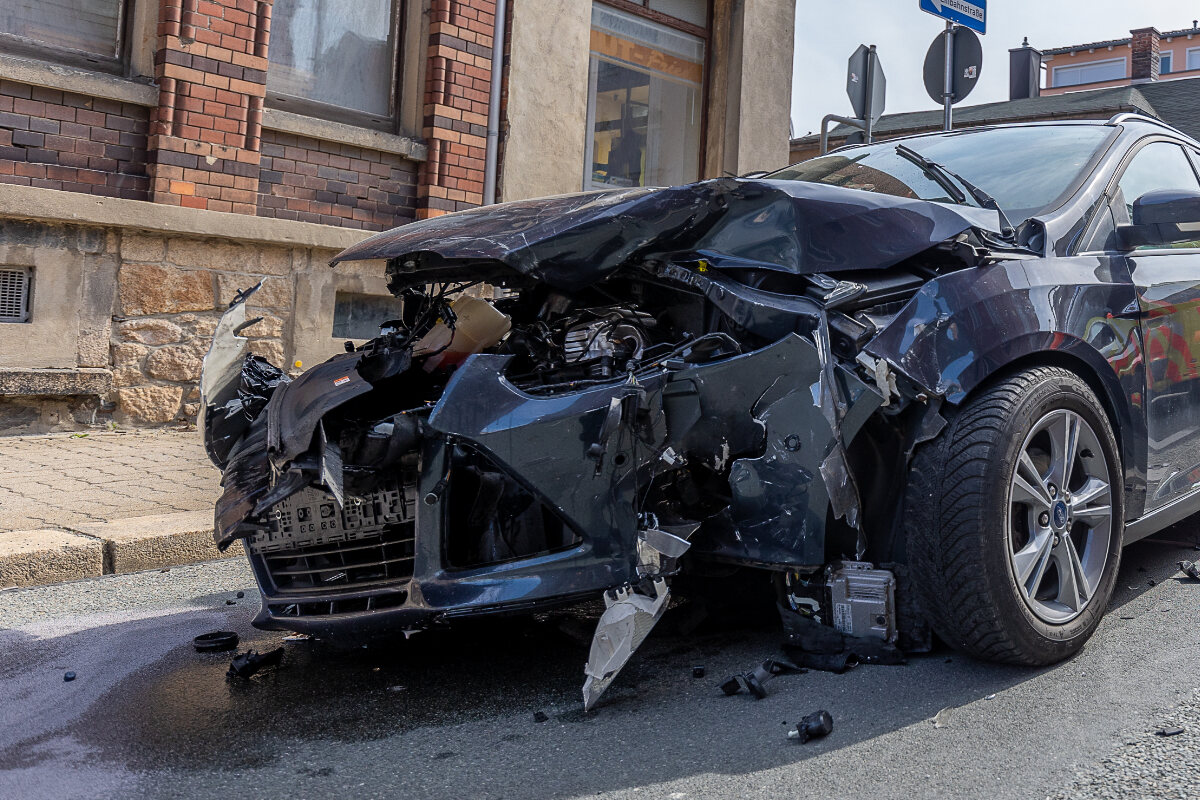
(1059, 517)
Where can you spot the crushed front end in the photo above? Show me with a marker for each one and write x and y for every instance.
(647, 378)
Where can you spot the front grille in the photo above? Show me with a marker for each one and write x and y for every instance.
(314, 546)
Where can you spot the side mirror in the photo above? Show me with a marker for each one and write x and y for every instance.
(1164, 216)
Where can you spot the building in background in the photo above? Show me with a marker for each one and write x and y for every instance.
(1075, 89)
(158, 155)
(1145, 55)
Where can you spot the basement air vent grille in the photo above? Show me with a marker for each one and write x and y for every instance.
(14, 293)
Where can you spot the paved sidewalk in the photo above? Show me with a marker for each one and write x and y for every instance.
(61, 481)
(79, 506)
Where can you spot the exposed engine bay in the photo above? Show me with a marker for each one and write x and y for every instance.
(585, 409)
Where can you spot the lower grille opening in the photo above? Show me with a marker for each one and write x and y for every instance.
(344, 606)
(316, 546)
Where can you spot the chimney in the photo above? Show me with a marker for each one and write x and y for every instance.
(1145, 54)
(1024, 72)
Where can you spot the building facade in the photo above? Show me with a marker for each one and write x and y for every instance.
(158, 155)
(1145, 55)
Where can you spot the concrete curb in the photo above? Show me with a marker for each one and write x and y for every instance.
(39, 557)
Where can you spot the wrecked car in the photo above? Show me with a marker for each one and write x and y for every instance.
(931, 383)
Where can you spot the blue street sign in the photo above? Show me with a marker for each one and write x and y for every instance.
(968, 13)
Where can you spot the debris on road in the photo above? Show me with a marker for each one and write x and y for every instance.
(68, 677)
(247, 664)
(298, 637)
(942, 718)
(215, 642)
(624, 625)
(815, 726)
(540, 716)
(1174, 730)
(240, 595)
(697, 672)
(1191, 569)
(753, 681)
(731, 686)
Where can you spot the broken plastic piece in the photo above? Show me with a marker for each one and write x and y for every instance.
(215, 642)
(68, 677)
(246, 664)
(755, 684)
(539, 716)
(1174, 730)
(1191, 569)
(815, 726)
(624, 625)
(697, 672)
(731, 686)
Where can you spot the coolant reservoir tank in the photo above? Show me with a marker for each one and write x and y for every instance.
(478, 327)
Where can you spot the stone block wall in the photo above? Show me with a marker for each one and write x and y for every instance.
(171, 292)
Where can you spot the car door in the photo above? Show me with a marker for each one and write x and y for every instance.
(1167, 279)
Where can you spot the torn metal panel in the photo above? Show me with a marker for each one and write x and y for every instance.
(767, 404)
(627, 620)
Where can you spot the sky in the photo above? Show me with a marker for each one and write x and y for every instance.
(828, 31)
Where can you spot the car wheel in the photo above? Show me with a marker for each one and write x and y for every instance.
(1013, 518)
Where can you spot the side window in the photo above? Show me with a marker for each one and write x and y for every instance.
(1158, 165)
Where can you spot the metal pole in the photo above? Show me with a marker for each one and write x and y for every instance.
(948, 78)
(493, 120)
(870, 80)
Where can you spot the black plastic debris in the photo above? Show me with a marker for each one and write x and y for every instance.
(1174, 730)
(815, 726)
(68, 677)
(215, 642)
(231, 602)
(754, 680)
(240, 595)
(539, 716)
(246, 664)
(1191, 569)
(817, 646)
(697, 672)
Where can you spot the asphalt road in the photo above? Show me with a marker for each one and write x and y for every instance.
(452, 714)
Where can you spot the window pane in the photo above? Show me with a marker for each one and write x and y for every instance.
(644, 104)
(1160, 165)
(358, 316)
(1164, 63)
(693, 11)
(90, 26)
(334, 52)
(1193, 59)
(1090, 73)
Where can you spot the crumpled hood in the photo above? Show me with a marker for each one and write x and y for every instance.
(570, 241)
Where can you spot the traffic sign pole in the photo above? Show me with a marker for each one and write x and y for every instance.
(870, 86)
(948, 81)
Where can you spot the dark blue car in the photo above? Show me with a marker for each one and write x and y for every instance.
(925, 385)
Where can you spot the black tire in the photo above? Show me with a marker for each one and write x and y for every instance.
(956, 512)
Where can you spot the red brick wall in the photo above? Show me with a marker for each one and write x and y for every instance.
(211, 66)
(456, 105)
(334, 184)
(59, 140)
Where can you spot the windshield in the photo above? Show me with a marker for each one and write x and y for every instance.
(1026, 169)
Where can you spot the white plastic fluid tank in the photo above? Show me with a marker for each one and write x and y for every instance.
(478, 326)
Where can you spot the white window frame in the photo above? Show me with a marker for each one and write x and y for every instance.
(1169, 54)
(1124, 62)
(1187, 59)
